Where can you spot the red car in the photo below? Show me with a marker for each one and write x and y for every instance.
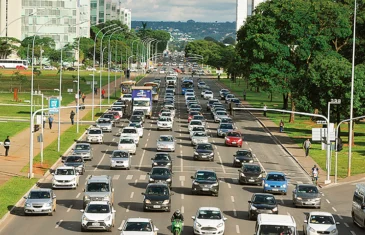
(234, 138)
(116, 115)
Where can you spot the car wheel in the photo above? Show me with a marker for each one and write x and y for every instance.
(111, 168)
(82, 229)
(233, 164)
(50, 213)
(249, 216)
(169, 209)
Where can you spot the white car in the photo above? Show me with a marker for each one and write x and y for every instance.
(188, 94)
(162, 71)
(130, 132)
(120, 159)
(98, 215)
(195, 123)
(208, 219)
(95, 135)
(90, 69)
(320, 223)
(197, 129)
(138, 127)
(167, 114)
(49, 68)
(65, 177)
(208, 95)
(127, 97)
(171, 108)
(127, 144)
(138, 226)
(164, 123)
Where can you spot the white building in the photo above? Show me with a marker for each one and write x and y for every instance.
(125, 17)
(104, 10)
(10, 14)
(244, 9)
(62, 20)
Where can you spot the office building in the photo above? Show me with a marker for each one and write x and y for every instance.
(10, 14)
(244, 9)
(104, 10)
(125, 17)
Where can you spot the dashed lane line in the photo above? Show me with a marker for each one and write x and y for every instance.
(135, 182)
(140, 162)
(58, 224)
(127, 210)
(132, 194)
(116, 177)
(328, 201)
(121, 225)
(237, 228)
(101, 160)
(69, 208)
(182, 209)
(346, 225)
(232, 199)
(334, 209)
(352, 232)
(129, 177)
(221, 162)
(142, 177)
(339, 216)
(229, 185)
(78, 195)
(234, 213)
(182, 196)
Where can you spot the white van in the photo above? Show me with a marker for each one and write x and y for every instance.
(275, 225)
(358, 205)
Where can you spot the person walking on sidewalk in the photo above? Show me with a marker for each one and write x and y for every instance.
(265, 108)
(102, 93)
(281, 126)
(72, 116)
(244, 94)
(306, 145)
(7, 146)
(50, 122)
(83, 97)
(44, 121)
(315, 172)
(96, 91)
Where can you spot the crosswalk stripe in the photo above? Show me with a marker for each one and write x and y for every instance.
(129, 177)
(116, 177)
(182, 178)
(142, 177)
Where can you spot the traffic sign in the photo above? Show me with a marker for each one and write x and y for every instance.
(53, 105)
(319, 133)
(321, 122)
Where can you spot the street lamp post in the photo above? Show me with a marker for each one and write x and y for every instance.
(109, 61)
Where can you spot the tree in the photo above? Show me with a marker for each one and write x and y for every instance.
(7, 46)
(229, 40)
(45, 44)
(20, 78)
(210, 39)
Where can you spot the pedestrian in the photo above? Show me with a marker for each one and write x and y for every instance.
(315, 173)
(244, 94)
(103, 93)
(83, 97)
(7, 145)
(50, 122)
(96, 91)
(306, 145)
(219, 76)
(44, 121)
(80, 92)
(76, 98)
(72, 116)
(265, 108)
(281, 126)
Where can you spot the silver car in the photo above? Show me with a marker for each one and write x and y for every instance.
(199, 118)
(83, 149)
(166, 143)
(120, 159)
(199, 137)
(40, 201)
(219, 115)
(306, 195)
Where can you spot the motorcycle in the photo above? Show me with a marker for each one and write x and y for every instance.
(176, 227)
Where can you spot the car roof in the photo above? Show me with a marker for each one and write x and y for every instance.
(276, 173)
(320, 213)
(157, 184)
(82, 143)
(99, 203)
(251, 164)
(120, 151)
(209, 209)
(210, 171)
(138, 220)
(65, 167)
(98, 178)
(41, 190)
(95, 128)
(243, 150)
(276, 219)
(166, 136)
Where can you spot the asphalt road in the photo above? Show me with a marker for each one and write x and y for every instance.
(129, 184)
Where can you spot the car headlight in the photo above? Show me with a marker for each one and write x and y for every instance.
(283, 186)
(299, 198)
(196, 183)
(243, 175)
(236, 159)
(260, 175)
(155, 163)
(49, 203)
(27, 204)
(198, 225)
(168, 180)
(147, 201)
(215, 184)
(166, 202)
(211, 154)
(158, 123)
(226, 138)
(108, 218)
(219, 225)
(334, 231)
(168, 164)
(106, 198)
(275, 209)
(312, 229)
(266, 185)
(86, 197)
(195, 153)
(317, 199)
(253, 208)
(151, 180)
(84, 218)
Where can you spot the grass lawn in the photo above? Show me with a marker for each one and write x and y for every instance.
(302, 129)
(11, 129)
(12, 190)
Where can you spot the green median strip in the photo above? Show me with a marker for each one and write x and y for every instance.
(11, 128)
(301, 129)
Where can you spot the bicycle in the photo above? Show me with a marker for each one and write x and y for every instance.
(176, 227)
(315, 178)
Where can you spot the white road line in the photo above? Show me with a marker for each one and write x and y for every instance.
(100, 160)
(181, 161)
(142, 177)
(232, 199)
(234, 213)
(145, 145)
(182, 178)
(339, 216)
(237, 229)
(121, 225)
(229, 185)
(129, 177)
(140, 162)
(182, 183)
(68, 210)
(135, 182)
(182, 209)
(147, 140)
(132, 194)
(299, 182)
(282, 201)
(113, 139)
(78, 195)
(246, 143)
(334, 209)
(58, 224)
(352, 232)
(127, 210)
(149, 133)
(347, 226)
(288, 213)
(328, 201)
(250, 148)
(221, 162)
(234, 181)
(116, 177)
(182, 196)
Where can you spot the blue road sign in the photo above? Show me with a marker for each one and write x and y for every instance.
(53, 105)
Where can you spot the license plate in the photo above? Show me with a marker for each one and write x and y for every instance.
(234, 142)
(308, 203)
(275, 189)
(204, 156)
(38, 209)
(205, 189)
(96, 224)
(119, 162)
(156, 206)
(251, 180)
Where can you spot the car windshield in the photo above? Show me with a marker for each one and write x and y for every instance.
(276, 230)
(224, 90)
(165, 114)
(141, 103)
(209, 214)
(243, 154)
(120, 154)
(117, 109)
(165, 139)
(235, 100)
(160, 171)
(82, 147)
(226, 126)
(208, 92)
(108, 116)
(206, 176)
(127, 130)
(127, 96)
(198, 117)
(226, 120)
(104, 121)
(307, 189)
(164, 119)
(39, 195)
(200, 134)
(74, 159)
(157, 190)
(251, 168)
(264, 199)
(198, 128)
(162, 157)
(136, 125)
(196, 123)
(138, 226)
(233, 134)
(138, 113)
(65, 172)
(126, 141)
(204, 147)
(190, 98)
(98, 187)
(321, 219)
(95, 132)
(221, 113)
(98, 209)
(193, 113)
(136, 118)
(275, 177)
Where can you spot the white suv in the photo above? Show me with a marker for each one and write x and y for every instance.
(65, 177)
(209, 219)
(95, 135)
(98, 215)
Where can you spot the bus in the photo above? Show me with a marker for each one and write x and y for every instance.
(155, 90)
(186, 84)
(126, 87)
(13, 64)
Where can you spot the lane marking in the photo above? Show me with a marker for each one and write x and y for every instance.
(129, 177)
(229, 185)
(68, 210)
(135, 182)
(328, 201)
(145, 145)
(142, 177)
(221, 162)
(182, 178)
(116, 177)
(334, 209)
(237, 229)
(182, 209)
(100, 160)
(234, 213)
(182, 196)
(78, 195)
(147, 140)
(339, 216)
(346, 225)
(58, 224)
(121, 225)
(232, 199)
(182, 183)
(149, 133)
(352, 232)
(140, 162)
(132, 194)
(127, 210)
(181, 161)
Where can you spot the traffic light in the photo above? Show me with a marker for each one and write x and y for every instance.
(339, 145)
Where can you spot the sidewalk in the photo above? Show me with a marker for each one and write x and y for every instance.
(19, 150)
(292, 148)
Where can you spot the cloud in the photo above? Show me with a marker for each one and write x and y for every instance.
(182, 10)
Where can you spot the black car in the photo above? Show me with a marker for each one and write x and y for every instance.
(242, 156)
(160, 174)
(262, 203)
(138, 113)
(205, 182)
(136, 118)
(251, 173)
(76, 161)
(157, 197)
(204, 151)
(224, 94)
(162, 159)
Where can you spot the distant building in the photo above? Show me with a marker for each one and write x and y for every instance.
(125, 17)
(10, 11)
(244, 9)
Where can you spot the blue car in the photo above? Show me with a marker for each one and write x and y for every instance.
(275, 182)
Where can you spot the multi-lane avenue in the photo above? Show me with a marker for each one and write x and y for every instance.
(129, 184)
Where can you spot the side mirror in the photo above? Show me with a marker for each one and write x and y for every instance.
(54, 196)
(193, 217)
(249, 201)
(239, 170)
(305, 221)
(82, 211)
(83, 190)
(77, 173)
(156, 229)
(143, 193)
(148, 173)
(25, 197)
(52, 173)
(152, 159)
(263, 172)
(63, 161)
(224, 218)
(192, 177)
(172, 194)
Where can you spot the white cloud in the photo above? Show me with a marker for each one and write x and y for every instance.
(182, 10)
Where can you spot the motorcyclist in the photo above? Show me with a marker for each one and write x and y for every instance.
(178, 216)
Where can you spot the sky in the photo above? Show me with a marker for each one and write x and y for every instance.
(182, 10)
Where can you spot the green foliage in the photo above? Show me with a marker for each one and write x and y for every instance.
(7, 46)
(229, 40)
